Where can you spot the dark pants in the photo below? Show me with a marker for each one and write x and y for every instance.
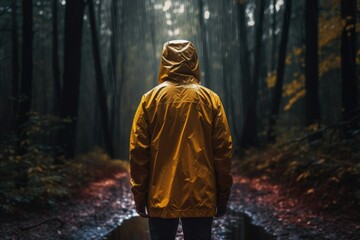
(198, 228)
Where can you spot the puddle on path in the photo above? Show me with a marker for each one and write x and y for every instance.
(134, 228)
(241, 228)
(233, 227)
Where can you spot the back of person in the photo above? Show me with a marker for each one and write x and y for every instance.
(182, 181)
(180, 143)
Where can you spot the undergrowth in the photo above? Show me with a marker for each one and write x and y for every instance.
(323, 171)
(34, 174)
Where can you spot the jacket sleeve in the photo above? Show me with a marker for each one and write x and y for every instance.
(222, 152)
(139, 155)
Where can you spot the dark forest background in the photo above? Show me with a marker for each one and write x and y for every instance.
(72, 72)
(278, 65)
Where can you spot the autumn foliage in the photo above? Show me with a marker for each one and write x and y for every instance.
(330, 30)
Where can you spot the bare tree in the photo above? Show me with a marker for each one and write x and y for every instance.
(312, 102)
(101, 93)
(116, 115)
(15, 64)
(244, 56)
(250, 131)
(280, 72)
(152, 30)
(27, 61)
(204, 44)
(74, 13)
(273, 32)
(55, 55)
(348, 59)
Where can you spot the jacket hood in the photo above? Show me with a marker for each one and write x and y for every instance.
(179, 63)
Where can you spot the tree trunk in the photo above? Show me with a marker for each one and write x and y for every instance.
(55, 56)
(244, 50)
(153, 43)
(312, 64)
(273, 31)
(229, 103)
(113, 63)
(250, 135)
(280, 73)
(15, 65)
(74, 12)
(228, 81)
(26, 86)
(207, 76)
(244, 60)
(123, 51)
(27, 62)
(102, 96)
(348, 60)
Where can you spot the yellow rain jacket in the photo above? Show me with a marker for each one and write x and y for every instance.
(180, 142)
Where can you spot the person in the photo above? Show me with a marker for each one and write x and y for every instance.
(180, 150)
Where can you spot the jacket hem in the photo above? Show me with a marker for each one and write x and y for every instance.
(181, 213)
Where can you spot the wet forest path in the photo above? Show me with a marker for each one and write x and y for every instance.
(104, 210)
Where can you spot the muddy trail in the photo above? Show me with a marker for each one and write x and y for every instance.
(258, 210)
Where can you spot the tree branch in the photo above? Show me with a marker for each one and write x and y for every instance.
(41, 223)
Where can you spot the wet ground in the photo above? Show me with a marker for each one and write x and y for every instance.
(104, 210)
(285, 217)
(96, 211)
